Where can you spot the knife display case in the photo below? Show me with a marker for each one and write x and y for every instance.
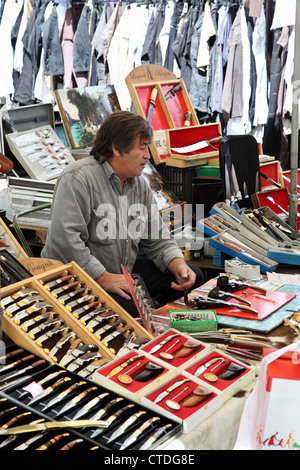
(176, 348)
(50, 394)
(81, 310)
(222, 372)
(209, 135)
(134, 374)
(238, 235)
(40, 152)
(185, 400)
(169, 108)
(277, 200)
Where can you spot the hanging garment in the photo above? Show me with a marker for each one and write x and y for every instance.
(259, 52)
(67, 43)
(151, 53)
(42, 92)
(84, 63)
(24, 91)
(224, 26)
(203, 59)
(271, 140)
(97, 42)
(12, 9)
(165, 32)
(18, 56)
(236, 92)
(170, 62)
(182, 45)
(108, 33)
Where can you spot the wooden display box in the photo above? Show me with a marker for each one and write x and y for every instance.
(185, 136)
(189, 417)
(17, 334)
(39, 282)
(168, 113)
(14, 246)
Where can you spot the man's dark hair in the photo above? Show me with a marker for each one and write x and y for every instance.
(120, 129)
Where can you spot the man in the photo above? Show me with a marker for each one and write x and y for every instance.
(104, 215)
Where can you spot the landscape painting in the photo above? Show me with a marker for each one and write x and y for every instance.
(83, 110)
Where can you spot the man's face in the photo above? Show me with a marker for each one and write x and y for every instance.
(135, 160)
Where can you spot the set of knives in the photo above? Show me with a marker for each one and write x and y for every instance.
(107, 325)
(55, 409)
(49, 331)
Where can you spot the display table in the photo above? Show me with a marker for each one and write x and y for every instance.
(219, 431)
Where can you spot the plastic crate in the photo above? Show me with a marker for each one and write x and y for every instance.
(193, 320)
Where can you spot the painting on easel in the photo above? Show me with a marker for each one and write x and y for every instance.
(83, 110)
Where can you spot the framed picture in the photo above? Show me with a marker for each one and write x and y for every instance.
(83, 110)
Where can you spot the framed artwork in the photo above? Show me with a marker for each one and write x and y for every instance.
(83, 110)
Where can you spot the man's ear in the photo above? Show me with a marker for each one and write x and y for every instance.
(116, 152)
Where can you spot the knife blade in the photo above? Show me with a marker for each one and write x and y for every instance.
(170, 389)
(91, 404)
(162, 343)
(155, 436)
(136, 434)
(131, 420)
(197, 146)
(205, 366)
(80, 423)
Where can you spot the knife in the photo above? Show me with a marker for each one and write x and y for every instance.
(72, 403)
(80, 423)
(91, 404)
(205, 366)
(122, 366)
(155, 436)
(172, 92)
(112, 418)
(131, 420)
(158, 346)
(136, 434)
(153, 97)
(49, 390)
(18, 295)
(64, 394)
(197, 145)
(170, 389)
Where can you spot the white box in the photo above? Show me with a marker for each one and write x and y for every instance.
(189, 417)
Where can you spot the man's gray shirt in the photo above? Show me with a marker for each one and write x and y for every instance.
(100, 227)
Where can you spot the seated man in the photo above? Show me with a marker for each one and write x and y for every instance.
(104, 215)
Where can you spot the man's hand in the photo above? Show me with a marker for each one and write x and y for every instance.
(114, 283)
(185, 277)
